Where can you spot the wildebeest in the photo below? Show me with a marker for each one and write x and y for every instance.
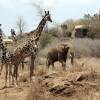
(60, 54)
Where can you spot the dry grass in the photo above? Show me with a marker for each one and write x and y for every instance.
(78, 82)
(40, 70)
(24, 77)
(38, 92)
(86, 47)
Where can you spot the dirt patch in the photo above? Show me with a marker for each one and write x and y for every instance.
(15, 93)
(70, 84)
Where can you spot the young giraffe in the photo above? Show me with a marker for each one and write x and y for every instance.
(4, 59)
(15, 59)
(29, 49)
(9, 59)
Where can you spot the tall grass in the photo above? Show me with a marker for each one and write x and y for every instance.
(86, 47)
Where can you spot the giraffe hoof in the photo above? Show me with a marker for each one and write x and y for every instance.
(4, 87)
(16, 85)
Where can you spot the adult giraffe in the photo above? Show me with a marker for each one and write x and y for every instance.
(34, 38)
(36, 34)
(28, 49)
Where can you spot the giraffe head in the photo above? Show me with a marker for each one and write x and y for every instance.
(47, 16)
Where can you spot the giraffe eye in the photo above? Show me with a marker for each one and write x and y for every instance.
(35, 50)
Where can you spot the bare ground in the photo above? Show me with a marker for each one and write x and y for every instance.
(78, 82)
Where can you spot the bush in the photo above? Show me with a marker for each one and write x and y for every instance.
(45, 39)
(86, 47)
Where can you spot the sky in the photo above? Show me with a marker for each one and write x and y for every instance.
(60, 11)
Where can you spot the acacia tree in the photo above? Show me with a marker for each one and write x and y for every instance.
(21, 25)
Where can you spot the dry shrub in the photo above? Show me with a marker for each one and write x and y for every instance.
(40, 60)
(86, 95)
(23, 77)
(86, 47)
(93, 73)
(82, 76)
(35, 91)
(41, 70)
(78, 66)
(82, 67)
(77, 69)
(38, 92)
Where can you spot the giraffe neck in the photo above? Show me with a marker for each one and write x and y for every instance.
(39, 29)
(41, 26)
(3, 49)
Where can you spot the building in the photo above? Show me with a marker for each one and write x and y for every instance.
(8, 42)
(81, 31)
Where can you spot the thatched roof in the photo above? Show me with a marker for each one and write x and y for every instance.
(81, 27)
(6, 40)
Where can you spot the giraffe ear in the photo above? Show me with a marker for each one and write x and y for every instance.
(45, 12)
(48, 12)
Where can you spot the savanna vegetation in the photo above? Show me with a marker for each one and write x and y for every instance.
(80, 81)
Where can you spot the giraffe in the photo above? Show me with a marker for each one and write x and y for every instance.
(4, 58)
(35, 35)
(15, 59)
(28, 49)
(13, 35)
(9, 59)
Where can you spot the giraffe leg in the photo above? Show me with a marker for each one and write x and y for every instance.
(48, 63)
(13, 76)
(6, 67)
(22, 65)
(32, 67)
(63, 65)
(10, 73)
(1, 68)
(48, 66)
(15, 73)
(53, 66)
